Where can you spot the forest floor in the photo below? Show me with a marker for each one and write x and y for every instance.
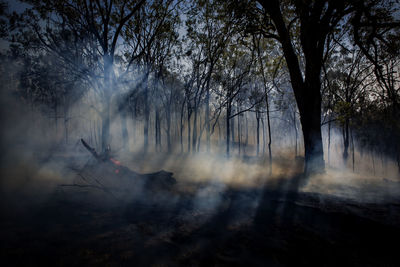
(198, 224)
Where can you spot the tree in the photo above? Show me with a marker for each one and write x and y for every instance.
(308, 24)
(95, 26)
(349, 78)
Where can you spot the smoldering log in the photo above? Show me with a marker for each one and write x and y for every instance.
(110, 175)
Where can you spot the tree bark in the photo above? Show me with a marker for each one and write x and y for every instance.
(228, 130)
(346, 141)
(207, 119)
(194, 137)
(105, 116)
(258, 133)
(146, 116)
(306, 87)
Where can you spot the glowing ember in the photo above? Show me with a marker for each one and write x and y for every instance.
(116, 162)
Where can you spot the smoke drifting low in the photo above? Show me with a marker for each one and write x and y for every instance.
(57, 192)
(36, 161)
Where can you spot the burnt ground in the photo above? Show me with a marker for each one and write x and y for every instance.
(210, 225)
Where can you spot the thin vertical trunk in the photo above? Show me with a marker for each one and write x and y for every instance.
(146, 115)
(169, 146)
(228, 130)
(233, 127)
(99, 134)
(352, 148)
(105, 116)
(181, 128)
(219, 133)
(247, 134)
(200, 134)
(239, 130)
(345, 141)
(194, 136)
(258, 133)
(329, 141)
(263, 134)
(133, 134)
(157, 132)
(189, 134)
(207, 118)
(296, 135)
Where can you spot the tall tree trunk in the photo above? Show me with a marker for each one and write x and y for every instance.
(105, 116)
(228, 130)
(352, 148)
(181, 128)
(329, 141)
(194, 136)
(157, 130)
(168, 115)
(200, 134)
(219, 133)
(305, 83)
(188, 124)
(239, 130)
(247, 135)
(345, 140)
(296, 134)
(310, 118)
(258, 133)
(233, 127)
(207, 118)
(263, 135)
(146, 115)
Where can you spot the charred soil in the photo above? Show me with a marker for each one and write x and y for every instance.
(277, 225)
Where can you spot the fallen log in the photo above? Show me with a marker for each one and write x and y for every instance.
(109, 174)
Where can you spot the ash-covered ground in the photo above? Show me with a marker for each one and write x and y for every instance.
(68, 209)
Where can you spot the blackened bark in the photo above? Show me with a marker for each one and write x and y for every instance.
(228, 130)
(306, 87)
(189, 114)
(146, 116)
(258, 133)
(157, 130)
(169, 146)
(207, 119)
(181, 126)
(346, 141)
(194, 137)
(239, 133)
(310, 117)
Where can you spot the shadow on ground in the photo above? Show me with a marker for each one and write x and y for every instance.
(212, 225)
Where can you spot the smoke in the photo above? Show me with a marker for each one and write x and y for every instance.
(38, 162)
